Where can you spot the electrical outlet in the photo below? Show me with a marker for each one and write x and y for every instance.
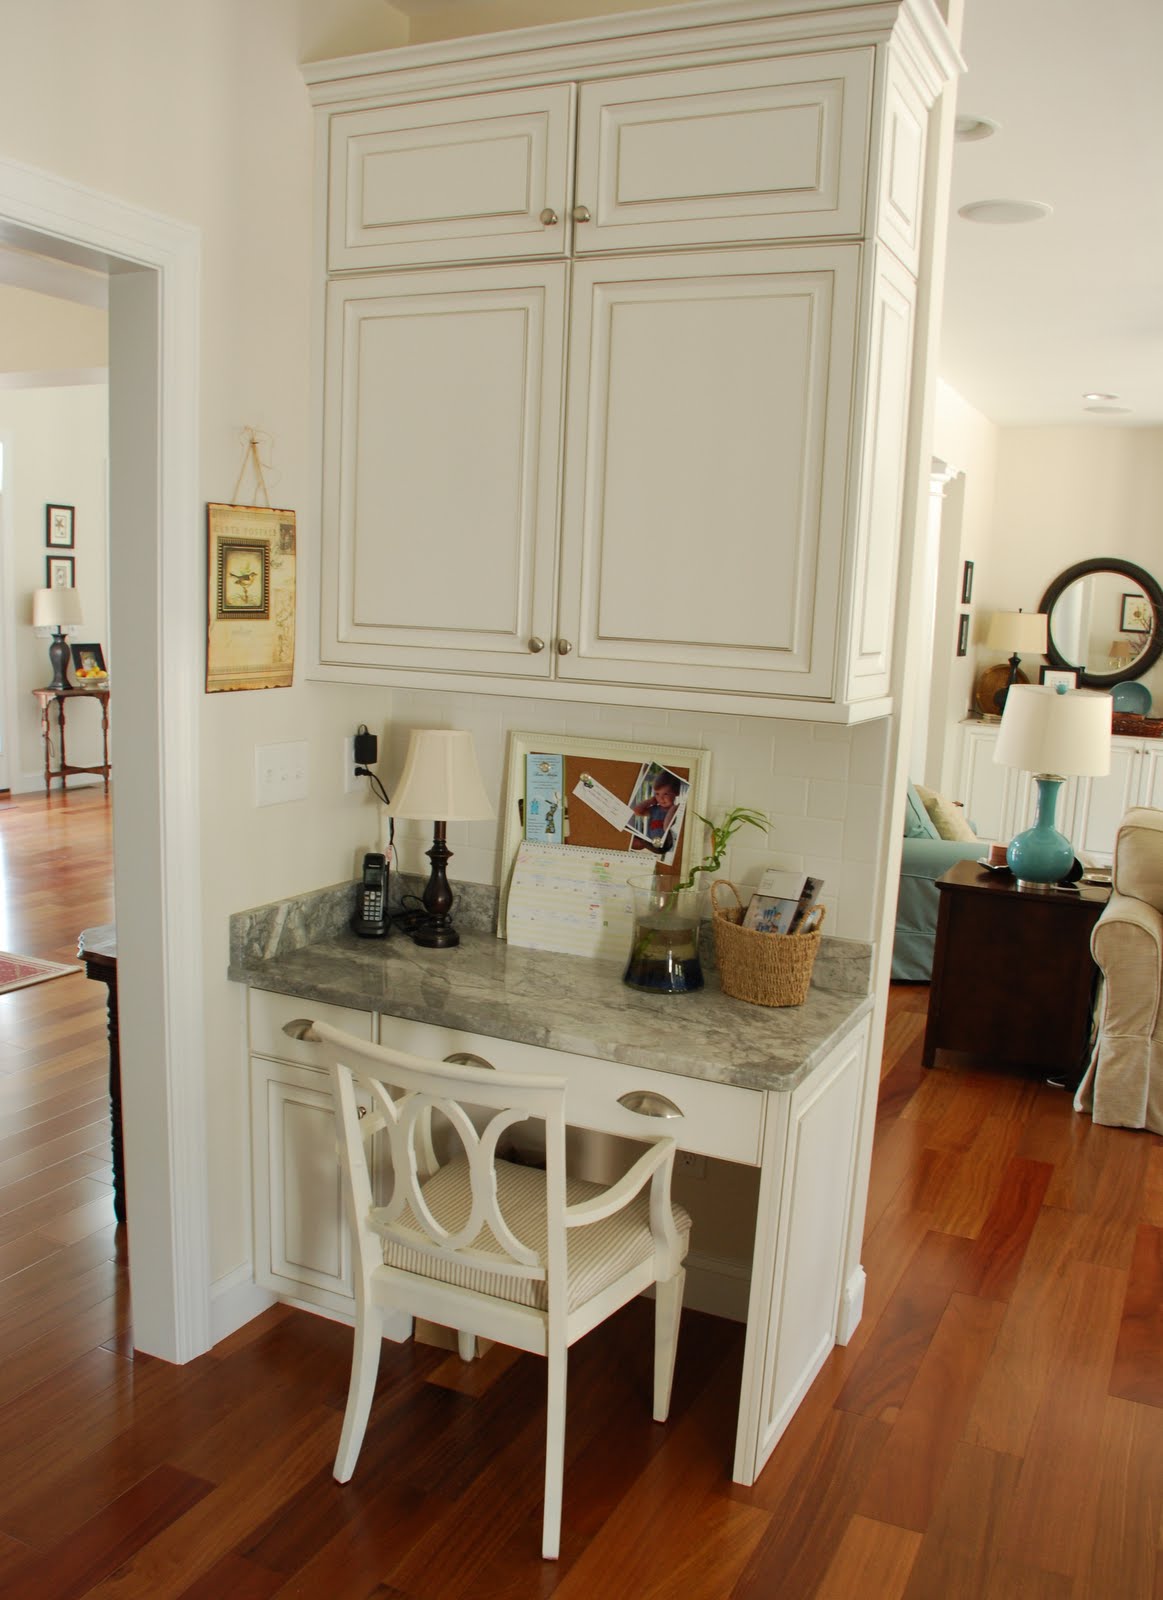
(280, 773)
(350, 782)
(694, 1165)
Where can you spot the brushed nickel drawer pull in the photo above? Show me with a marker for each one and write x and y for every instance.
(465, 1058)
(645, 1103)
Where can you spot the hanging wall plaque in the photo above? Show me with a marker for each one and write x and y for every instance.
(251, 631)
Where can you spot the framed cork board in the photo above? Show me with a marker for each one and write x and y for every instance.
(604, 794)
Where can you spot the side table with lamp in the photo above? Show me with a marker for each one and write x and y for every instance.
(60, 609)
(1013, 977)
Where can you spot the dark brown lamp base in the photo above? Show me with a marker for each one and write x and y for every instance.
(438, 933)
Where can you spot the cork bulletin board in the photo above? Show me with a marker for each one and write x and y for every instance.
(604, 795)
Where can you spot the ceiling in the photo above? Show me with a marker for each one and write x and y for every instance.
(1040, 313)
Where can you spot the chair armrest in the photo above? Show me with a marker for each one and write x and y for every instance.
(1123, 911)
(929, 858)
(659, 1155)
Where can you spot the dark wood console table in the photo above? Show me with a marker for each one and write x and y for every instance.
(97, 948)
(63, 770)
(1013, 977)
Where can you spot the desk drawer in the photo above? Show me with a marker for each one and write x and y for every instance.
(716, 1119)
(268, 1011)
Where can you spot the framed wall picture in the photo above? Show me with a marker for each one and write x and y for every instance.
(251, 602)
(963, 634)
(59, 524)
(1135, 616)
(603, 794)
(1058, 677)
(88, 660)
(966, 582)
(59, 572)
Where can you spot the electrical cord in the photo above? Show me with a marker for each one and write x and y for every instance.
(365, 772)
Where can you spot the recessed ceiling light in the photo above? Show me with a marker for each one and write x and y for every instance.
(969, 127)
(1005, 211)
(1096, 395)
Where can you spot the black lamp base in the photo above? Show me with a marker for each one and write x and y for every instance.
(437, 933)
(58, 656)
(1002, 694)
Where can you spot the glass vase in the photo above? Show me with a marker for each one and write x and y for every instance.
(664, 951)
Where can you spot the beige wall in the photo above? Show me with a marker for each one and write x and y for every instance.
(55, 447)
(44, 334)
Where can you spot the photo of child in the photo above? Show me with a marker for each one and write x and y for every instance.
(656, 811)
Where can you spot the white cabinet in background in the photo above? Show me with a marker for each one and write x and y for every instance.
(1001, 801)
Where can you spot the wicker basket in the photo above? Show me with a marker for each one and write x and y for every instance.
(768, 969)
(1138, 727)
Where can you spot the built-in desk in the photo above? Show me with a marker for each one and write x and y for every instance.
(780, 1090)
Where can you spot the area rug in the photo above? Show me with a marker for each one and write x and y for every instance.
(17, 972)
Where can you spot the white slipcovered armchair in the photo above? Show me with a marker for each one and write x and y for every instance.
(1123, 1086)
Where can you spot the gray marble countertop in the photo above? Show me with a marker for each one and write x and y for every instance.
(489, 987)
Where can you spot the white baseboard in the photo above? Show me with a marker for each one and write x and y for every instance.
(30, 782)
(851, 1307)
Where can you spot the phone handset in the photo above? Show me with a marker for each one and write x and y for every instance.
(371, 906)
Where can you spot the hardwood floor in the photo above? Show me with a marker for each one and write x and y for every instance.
(995, 1428)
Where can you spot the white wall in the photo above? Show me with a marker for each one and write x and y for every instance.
(55, 446)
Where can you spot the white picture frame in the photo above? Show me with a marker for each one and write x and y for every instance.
(634, 754)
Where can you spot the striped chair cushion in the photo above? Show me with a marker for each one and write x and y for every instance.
(598, 1255)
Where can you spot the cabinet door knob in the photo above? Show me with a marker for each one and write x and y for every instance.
(549, 217)
(580, 213)
(563, 647)
(536, 644)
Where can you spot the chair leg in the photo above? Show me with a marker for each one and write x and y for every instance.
(365, 1364)
(667, 1311)
(554, 1451)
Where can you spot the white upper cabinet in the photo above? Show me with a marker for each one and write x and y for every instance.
(641, 432)
(478, 177)
(772, 149)
(709, 401)
(440, 473)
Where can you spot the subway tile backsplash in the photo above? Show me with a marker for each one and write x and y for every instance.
(821, 785)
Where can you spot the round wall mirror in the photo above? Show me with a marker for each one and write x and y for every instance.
(1104, 620)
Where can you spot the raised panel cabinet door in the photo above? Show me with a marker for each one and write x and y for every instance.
(771, 149)
(989, 792)
(301, 1233)
(443, 415)
(466, 179)
(704, 499)
(1102, 802)
(880, 481)
(1151, 776)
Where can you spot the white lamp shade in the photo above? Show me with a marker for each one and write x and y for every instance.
(1017, 632)
(1064, 734)
(441, 781)
(56, 608)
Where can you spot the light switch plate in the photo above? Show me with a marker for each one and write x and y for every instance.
(280, 773)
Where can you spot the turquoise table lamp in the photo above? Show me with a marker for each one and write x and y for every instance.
(1055, 734)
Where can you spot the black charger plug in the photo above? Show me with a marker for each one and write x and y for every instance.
(366, 747)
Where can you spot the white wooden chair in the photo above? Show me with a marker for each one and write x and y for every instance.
(480, 1244)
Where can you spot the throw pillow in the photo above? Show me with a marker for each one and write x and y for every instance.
(946, 817)
(918, 824)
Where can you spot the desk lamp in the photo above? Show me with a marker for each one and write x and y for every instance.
(59, 609)
(1055, 734)
(1023, 633)
(441, 780)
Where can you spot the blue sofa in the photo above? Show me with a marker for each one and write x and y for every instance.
(924, 857)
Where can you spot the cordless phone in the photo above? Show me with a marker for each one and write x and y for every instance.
(371, 905)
